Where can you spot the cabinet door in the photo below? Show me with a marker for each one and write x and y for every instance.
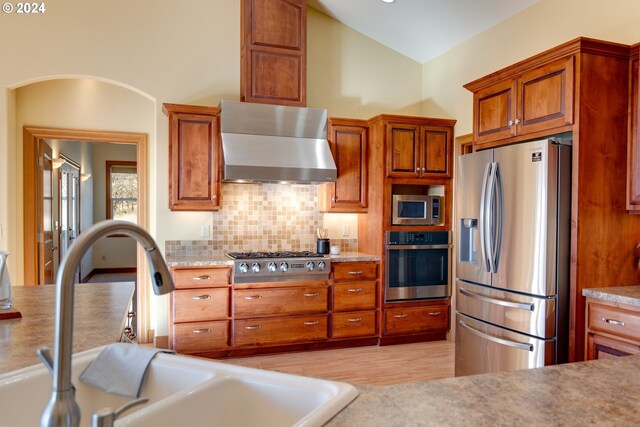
(494, 111)
(633, 149)
(545, 97)
(273, 52)
(194, 183)
(402, 150)
(435, 154)
(431, 319)
(601, 347)
(348, 141)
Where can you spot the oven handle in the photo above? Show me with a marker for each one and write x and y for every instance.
(501, 341)
(402, 247)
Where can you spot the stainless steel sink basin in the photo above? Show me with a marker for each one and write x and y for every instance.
(186, 391)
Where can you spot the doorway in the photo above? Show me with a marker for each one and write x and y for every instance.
(32, 139)
(68, 207)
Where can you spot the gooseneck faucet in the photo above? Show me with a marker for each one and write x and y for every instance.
(62, 409)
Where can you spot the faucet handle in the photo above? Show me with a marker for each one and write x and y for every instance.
(45, 355)
(106, 417)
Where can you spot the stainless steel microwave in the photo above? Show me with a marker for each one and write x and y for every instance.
(417, 210)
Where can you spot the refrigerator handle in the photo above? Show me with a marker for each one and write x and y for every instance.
(496, 218)
(502, 341)
(483, 220)
(489, 224)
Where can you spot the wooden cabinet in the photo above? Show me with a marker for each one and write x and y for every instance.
(348, 140)
(355, 288)
(281, 301)
(279, 330)
(273, 49)
(633, 146)
(613, 329)
(199, 309)
(194, 157)
(419, 151)
(417, 320)
(538, 99)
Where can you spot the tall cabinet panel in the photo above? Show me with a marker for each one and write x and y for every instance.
(194, 169)
(633, 150)
(273, 65)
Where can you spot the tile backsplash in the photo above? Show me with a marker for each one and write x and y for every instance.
(261, 217)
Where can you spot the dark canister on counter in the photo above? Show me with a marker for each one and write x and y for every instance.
(322, 246)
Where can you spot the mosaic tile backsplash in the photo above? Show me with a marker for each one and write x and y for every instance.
(261, 217)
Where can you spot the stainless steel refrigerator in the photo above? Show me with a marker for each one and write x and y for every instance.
(512, 257)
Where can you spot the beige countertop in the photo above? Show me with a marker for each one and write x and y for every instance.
(99, 318)
(220, 259)
(599, 392)
(618, 294)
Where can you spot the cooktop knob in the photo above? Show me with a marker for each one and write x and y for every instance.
(284, 266)
(255, 267)
(244, 267)
(271, 267)
(310, 265)
(321, 265)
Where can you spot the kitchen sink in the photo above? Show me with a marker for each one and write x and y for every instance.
(185, 390)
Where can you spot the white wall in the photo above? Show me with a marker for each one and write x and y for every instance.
(541, 27)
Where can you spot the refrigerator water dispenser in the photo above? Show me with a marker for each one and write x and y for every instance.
(468, 230)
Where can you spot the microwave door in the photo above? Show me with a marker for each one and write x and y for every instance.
(473, 173)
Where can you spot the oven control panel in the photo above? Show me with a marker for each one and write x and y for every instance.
(418, 238)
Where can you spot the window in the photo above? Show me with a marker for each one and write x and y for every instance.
(122, 190)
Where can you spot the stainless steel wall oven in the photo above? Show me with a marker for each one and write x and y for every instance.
(417, 265)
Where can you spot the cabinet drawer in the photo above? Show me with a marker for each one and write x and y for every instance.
(193, 305)
(199, 337)
(350, 271)
(280, 330)
(201, 277)
(353, 324)
(416, 320)
(354, 296)
(278, 302)
(614, 320)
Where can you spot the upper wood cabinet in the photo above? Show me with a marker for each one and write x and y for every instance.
(633, 147)
(534, 100)
(348, 140)
(194, 157)
(419, 151)
(273, 64)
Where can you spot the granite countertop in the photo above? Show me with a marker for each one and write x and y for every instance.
(99, 318)
(220, 259)
(599, 392)
(619, 294)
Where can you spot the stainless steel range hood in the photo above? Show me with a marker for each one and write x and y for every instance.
(275, 143)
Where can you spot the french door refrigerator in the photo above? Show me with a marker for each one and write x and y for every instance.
(512, 262)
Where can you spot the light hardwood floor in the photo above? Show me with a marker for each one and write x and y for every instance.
(372, 365)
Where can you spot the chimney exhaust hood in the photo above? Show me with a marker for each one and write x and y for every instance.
(275, 143)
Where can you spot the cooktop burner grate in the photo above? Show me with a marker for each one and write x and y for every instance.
(279, 254)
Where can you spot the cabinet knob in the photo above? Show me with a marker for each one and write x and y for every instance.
(354, 290)
(215, 196)
(510, 123)
(516, 121)
(400, 316)
(354, 319)
(312, 323)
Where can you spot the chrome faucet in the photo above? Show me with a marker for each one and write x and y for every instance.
(62, 409)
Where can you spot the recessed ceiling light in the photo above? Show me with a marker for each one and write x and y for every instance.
(388, 1)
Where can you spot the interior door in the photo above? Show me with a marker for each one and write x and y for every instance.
(68, 190)
(46, 247)
(527, 174)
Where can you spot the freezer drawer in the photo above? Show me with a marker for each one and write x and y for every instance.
(527, 314)
(482, 348)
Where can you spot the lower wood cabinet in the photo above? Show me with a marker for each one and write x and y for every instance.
(416, 320)
(279, 330)
(200, 337)
(279, 301)
(613, 329)
(353, 324)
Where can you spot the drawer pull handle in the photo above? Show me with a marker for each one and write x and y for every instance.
(355, 273)
(203, 277)
(613, 322)
(201, 331)
(354, 290)
(253, 327)
(315, 322)
(202, 297)
(314, 294)
(400, 316)
(355, 319)
(252, 297)
(434, 313)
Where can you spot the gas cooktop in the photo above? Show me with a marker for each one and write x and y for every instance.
(279, 254)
